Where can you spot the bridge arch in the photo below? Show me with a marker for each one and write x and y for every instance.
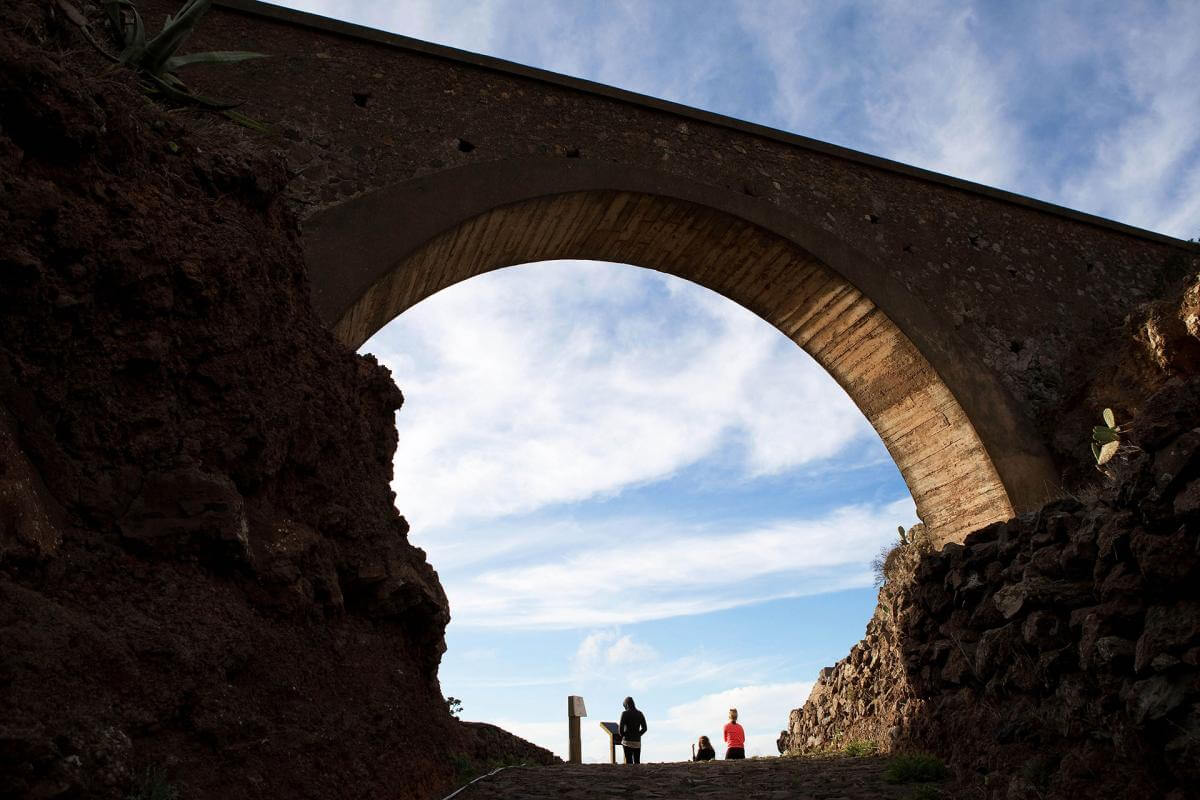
(961, 446)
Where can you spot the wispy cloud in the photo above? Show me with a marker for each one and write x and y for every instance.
(524, 389)
(906, 81)
(491, 682)
(1146, 162)
(602, 650)
(762, 712)
(668, 571)
(1090, 106)
(603, 653)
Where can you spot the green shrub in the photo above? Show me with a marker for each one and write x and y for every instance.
(860, 747)
(914, 768)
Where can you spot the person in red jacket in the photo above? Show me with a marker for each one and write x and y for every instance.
(735, 737)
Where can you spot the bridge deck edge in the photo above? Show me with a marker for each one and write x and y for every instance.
(351, 30)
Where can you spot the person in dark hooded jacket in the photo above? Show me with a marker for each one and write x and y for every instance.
(633, 725)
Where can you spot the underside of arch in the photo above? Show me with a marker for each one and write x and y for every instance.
(953, 480)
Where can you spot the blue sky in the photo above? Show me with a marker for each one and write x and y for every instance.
(632, 486)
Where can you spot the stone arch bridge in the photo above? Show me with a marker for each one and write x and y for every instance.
(959, 318)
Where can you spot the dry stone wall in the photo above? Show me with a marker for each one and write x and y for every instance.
(1054, 654)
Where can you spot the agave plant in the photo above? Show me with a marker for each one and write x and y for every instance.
(155, 58)
(1106, 439)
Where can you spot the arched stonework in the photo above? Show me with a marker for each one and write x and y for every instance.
(948, 470)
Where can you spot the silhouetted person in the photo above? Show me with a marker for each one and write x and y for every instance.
(735, 737)
(633, 725)
(705, 750)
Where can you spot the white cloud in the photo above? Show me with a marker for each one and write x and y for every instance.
(762, 712)
(692, 669)
(673, 570)
(488, 682)
(559, 382)
(604, 653)
(1091, 107)
(941, 103)
(905, 81)
(1145, 168)
(602, 650)
(479, 654)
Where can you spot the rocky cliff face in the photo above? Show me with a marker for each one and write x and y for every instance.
(1053, 655)
(201, 569)
(866, 696)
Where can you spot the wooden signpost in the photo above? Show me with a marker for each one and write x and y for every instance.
(575, 710)
(614, 738)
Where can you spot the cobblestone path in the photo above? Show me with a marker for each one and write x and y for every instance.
(753, 779)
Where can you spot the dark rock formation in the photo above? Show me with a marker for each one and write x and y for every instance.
(1056, 655)
(201, 567)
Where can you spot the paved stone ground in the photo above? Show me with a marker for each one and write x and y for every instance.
(753, 779)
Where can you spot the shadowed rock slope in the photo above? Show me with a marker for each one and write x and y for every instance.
(202, 572)
(1053, 656)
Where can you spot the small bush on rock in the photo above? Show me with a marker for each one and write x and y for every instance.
(860, 747)
(914, 768)
(888, 564)
(884, 562)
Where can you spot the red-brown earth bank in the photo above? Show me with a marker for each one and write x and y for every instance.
(201, 568)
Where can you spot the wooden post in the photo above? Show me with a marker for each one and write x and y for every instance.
(575, 710)
(576, 756)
